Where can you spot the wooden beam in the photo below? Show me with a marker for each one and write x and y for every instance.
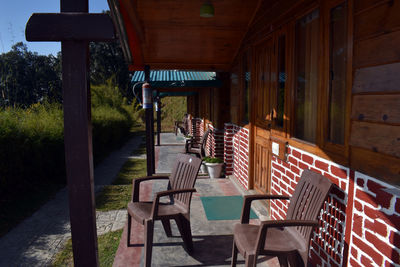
(78, 152)
(78, 142)
(69, 27)
(132, 36)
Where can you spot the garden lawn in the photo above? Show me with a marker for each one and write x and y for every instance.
(112, 197)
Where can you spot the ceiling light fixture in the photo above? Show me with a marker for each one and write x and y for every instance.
(207, 10)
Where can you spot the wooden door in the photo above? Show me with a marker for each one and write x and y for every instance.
(262, 112)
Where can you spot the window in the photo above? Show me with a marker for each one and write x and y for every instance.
(280, 90)
(337, 73)
(234, 93)
(246, 84)
(306, 67)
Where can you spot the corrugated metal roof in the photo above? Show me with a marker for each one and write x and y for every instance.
(178, 78)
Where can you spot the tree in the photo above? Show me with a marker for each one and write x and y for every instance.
(27, 78)
(107, 62)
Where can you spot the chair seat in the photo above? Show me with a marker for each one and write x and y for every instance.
(278, 240)
(194, 150)
(141, 211)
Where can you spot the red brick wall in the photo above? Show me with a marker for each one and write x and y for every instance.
(327, 245)
(360, 219)
(236, 152)
(375, 239)
(215, 142)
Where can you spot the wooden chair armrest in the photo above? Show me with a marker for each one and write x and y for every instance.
(154, 210)
(245, 217)
(136, 185)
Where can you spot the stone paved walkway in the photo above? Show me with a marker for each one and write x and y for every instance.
(212, 239)
(35, 241)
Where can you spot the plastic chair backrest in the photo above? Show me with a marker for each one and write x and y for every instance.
(307, 200)
(183, 176)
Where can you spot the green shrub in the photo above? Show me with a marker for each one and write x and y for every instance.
(212, 160)
(32, 139)
(31, 144)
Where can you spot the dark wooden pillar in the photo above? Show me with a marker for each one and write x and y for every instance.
(78, 143)
(149, 118)
(223, 99)
(74, 27)
(78, 152)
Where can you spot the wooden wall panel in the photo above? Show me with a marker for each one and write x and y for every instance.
(380, 50)
(378, 20)
(360, 5)
(376, 137)
(383, 78)
(376, 164)
(377, 108)
(235, 92)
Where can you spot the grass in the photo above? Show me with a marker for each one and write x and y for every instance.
(112, 197)
(132, 168)
(117, 195)
(173, 109)
(107, 245)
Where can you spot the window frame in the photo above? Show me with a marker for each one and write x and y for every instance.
(322, 147)
(245, 55)
(278, 130)
(313, 148)
(337, 149)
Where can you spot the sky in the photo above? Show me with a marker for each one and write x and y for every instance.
(14, 15)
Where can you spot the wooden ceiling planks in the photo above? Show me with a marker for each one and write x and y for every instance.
(173, 35)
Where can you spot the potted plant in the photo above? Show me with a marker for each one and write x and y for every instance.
(214, 166)
(203, 168)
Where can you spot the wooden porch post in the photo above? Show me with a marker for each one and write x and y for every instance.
(74, 27)
(158, 110)
(149, 118)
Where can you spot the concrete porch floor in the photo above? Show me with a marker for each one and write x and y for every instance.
(212, 239)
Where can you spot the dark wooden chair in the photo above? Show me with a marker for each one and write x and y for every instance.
(288, 239)
(182, 126)
(197, 145)
(180, 189)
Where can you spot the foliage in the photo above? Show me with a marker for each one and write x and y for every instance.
(32, 149)
(107, 245)
(107, 62)
(27, 78)
(212, 160)
(172, 109)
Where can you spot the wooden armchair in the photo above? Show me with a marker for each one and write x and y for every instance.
(197, 145)
(180, 189)
(288, 239)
